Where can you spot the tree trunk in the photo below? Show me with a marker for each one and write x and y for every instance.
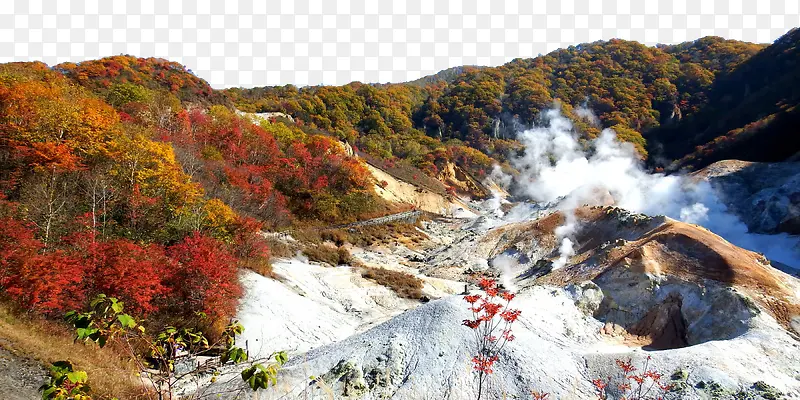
(480, 384)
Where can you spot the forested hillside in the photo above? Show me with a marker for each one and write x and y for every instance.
(150, 73)
(751, 113)
(120, 179)
(631, 88)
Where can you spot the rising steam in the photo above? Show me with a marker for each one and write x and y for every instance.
(556, 167)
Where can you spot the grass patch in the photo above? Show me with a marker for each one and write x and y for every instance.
(259, 265)
(311, 235)
(110, 374)
(376, 235)
(405, 285)
(326, 246)
(329, 255)
(280, 249)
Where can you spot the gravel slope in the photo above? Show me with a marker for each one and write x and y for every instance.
(20, 378)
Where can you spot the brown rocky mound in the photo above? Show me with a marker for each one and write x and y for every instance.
(695, 254)
(540, 232)
(660, 276)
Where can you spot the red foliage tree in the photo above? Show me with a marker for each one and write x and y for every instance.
(249, 242)
(52, 283)
(133, 273)
(204, 277)
(48, 282)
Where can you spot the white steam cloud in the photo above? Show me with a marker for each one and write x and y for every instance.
(555, 167)
(506, 265)
(587, 114)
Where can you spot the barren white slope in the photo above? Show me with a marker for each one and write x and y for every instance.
(313, 305)
(424, 354)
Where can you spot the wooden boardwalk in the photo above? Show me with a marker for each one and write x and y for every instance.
(408, 217)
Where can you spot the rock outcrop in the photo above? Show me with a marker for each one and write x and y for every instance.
(456, 177)
(765, 196)
(398, 191)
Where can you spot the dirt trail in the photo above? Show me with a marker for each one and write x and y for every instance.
(20, 377)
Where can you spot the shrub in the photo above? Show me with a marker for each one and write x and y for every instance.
(405, 285)
(344, 256)
(66, 383)
(280, 248)
(262, 267)
(49, 282)
(327, 254)
(336, 236)
(310, 235)
(644, 385)
(204, 278)
(133, 272)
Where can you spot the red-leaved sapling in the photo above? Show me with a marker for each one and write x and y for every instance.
(642, 385)
(491, 322)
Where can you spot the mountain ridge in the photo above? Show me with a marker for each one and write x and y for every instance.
(631, 88)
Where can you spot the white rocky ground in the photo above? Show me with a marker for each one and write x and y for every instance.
(314, 305)
(359, 340)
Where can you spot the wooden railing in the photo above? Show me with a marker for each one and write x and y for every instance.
(409, 217)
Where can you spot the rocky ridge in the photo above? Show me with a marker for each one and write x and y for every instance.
(765, 196)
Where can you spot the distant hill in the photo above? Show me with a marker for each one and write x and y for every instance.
(671, 101)
(662, 99)
(152, 73)
(445, 75)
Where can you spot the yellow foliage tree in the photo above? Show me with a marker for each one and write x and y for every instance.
(219, 220)
(151, 166)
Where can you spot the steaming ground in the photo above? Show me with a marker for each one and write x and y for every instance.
(556, 167)
(367, 343)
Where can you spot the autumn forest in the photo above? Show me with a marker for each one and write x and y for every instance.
(134, 178)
